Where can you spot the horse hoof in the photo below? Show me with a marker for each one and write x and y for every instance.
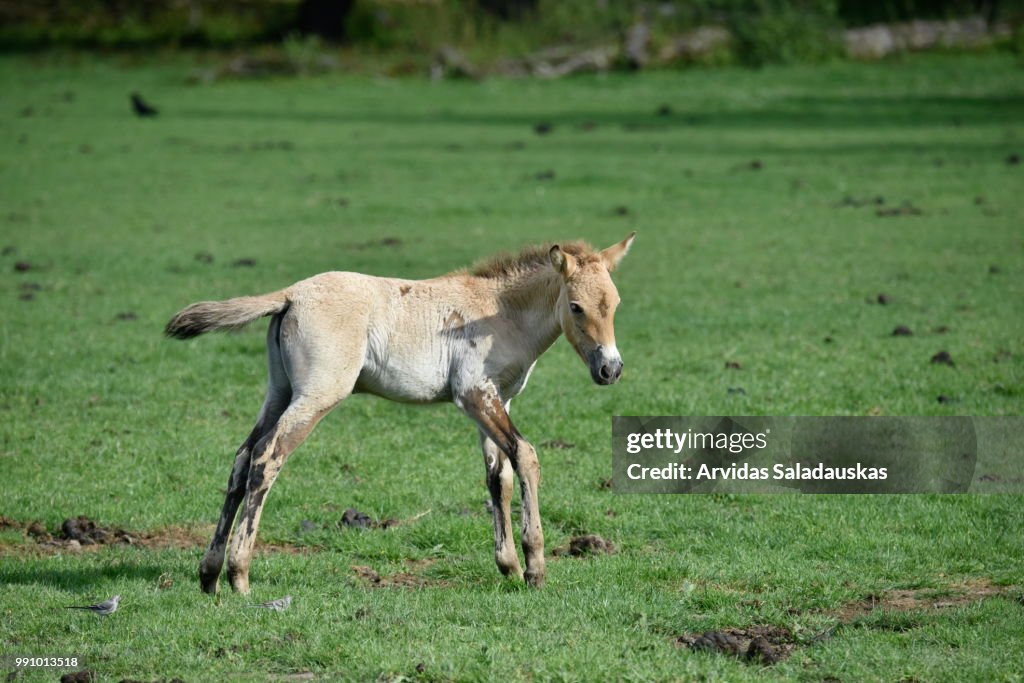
(239, 583)
(513, 574)
(535, 579)
(208, 580)
(208, 584)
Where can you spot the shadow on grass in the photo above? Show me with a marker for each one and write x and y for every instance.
(77, 578)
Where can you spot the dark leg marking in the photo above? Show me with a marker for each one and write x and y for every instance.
(500, 485)
(487, 409)
(268, 458)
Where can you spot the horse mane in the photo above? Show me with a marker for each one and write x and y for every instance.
(530, 258)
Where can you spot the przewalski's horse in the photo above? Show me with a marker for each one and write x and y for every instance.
(468, 337)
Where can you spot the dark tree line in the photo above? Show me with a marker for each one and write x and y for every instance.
(328, 19)
(325, 18)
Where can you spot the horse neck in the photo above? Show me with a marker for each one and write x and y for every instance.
(529, 300)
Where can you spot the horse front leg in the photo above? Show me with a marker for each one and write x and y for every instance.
(500, 485)
(485, 407)
(528, 468)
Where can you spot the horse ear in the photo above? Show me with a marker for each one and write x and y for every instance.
(563, 263)
(613, 254)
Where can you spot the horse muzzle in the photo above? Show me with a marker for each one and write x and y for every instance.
(605, 367)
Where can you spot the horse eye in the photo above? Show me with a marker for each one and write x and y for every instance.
(575, 308)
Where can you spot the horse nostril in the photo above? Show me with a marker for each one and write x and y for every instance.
(605, 374)
(618, 371)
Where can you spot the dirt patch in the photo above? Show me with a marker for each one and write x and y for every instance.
(81, 533)
(78, 534)
(398, 580)
(767, 644)
(919, 599)
(756, 644)
(943, 358)
(87, 532)
(174, 537)
(557, 443)
(586, 545)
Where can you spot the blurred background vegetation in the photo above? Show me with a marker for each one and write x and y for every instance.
(486, 31)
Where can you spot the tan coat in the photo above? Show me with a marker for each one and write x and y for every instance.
(467, 337)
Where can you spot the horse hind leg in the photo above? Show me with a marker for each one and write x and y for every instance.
(268, 457)
(277, 400)
(320, 379)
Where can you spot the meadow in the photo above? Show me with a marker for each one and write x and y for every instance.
(788, 220)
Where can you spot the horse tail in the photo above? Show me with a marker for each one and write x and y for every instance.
(232, 314)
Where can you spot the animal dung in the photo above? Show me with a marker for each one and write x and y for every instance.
(588, 544)
(354, 518)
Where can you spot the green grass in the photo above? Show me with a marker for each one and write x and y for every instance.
(105, 418)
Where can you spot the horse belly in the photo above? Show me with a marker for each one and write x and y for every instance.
(414, 378)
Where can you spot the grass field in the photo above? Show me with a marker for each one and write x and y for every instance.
(757, 202)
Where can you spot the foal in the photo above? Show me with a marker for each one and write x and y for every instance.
(467, 337)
